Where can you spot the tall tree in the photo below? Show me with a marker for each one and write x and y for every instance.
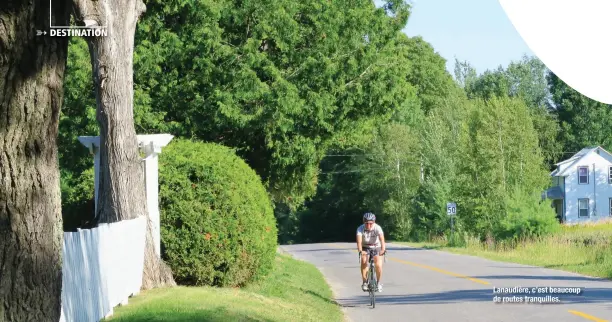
(31, 77)
(465, 74)
(392, 174)
(501, 153)
(279, 80)
(524, 79)
(583, 121)
(527, 79)
(122, 187)
(384, 171)
(441, 139)
(428, 73)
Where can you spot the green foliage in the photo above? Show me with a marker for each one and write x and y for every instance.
(525, 80)
(338, 204)
(490, 84)
(395, 218)
(380, 178)
(583, 121)
(287, 84)
(501, 153)
(390, 176)
(442, 141)
(429, 218)
(78, 118)
(382, 173)
(77, 199)
(526, 218)
(78, 113)
(217, 222)
(465, 75)
(278, 80)
(428, 74)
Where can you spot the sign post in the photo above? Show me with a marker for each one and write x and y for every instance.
(451, 211)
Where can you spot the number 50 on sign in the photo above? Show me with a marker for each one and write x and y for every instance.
(451, 208)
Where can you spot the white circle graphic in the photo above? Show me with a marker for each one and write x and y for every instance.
(573, 39)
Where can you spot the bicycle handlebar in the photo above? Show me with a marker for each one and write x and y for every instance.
(384, 255)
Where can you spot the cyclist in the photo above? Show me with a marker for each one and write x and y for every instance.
(370, 236)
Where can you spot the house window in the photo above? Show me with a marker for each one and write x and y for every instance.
(583, 207)
(583, 175)
(610, 206)
(609, 174)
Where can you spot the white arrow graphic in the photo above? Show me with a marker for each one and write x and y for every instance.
(573, 39)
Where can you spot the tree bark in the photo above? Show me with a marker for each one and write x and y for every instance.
(122, 187)
(156, 272)
(31, 79)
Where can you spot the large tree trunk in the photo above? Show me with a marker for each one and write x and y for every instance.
(31, 79)
(122, 188)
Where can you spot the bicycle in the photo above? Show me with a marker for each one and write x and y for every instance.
(371, 277)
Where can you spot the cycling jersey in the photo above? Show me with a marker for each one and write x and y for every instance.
(370, 238)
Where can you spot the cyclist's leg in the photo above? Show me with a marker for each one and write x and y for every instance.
(364, 267)
(364, 271)
(378, 264)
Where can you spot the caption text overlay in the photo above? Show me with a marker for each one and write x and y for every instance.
(537, 294)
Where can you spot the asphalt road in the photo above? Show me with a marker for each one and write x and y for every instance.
(428, 285)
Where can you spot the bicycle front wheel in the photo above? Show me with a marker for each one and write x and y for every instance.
(372, 286)
(373, 299)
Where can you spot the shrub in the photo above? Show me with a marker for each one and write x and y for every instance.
(526, 218)
(217, 221)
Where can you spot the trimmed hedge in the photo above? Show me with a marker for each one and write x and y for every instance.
(217, 221)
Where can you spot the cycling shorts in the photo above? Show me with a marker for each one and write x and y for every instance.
(374, 250)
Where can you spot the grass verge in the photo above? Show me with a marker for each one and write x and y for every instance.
(583, 249)
(294, 291)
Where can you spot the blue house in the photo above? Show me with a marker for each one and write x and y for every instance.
(582, 187)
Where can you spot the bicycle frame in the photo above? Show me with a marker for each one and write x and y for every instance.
(372, 280)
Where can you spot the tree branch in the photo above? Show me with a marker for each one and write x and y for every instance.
(358, 77)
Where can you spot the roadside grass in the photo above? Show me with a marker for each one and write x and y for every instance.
(294, 291)
(584, 249)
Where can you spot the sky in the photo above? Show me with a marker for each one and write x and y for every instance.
(475, 30)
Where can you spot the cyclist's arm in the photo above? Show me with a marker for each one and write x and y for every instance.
(358, 241)
(383, 246)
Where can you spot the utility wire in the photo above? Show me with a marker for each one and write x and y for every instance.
(383, 168)
(353, 171)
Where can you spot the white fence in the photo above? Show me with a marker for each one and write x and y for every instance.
(102, 267)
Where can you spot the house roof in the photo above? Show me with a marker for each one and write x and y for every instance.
(569, 163)
(553, 193)
(578, 155)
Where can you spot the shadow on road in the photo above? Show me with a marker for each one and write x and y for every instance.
(590, 295)
(334, 249)
(319, 296)
(317, 250)
(396, 249)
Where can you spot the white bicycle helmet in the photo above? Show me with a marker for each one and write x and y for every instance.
(369, 216)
